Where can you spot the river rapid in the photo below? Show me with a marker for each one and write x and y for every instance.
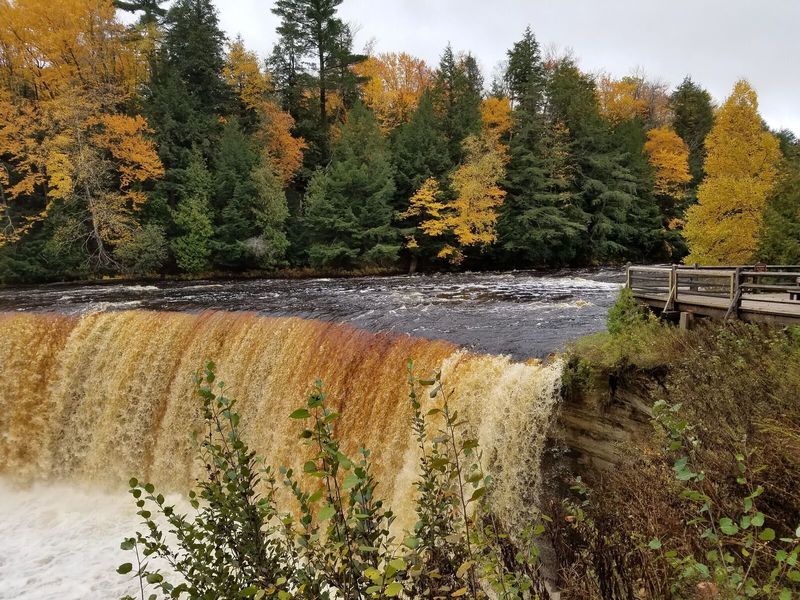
(523, 313)
(86, 365)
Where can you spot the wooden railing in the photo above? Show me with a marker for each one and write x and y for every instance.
(759, 289)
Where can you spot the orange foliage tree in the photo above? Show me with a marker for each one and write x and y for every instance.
(65, 73)
(633, 96)
(668, 154)
(254, 87)
(393, 85)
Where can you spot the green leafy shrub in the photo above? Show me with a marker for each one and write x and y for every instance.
(625, 313)
(338, 541)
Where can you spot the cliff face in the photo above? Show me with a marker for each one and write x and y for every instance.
(598, 421)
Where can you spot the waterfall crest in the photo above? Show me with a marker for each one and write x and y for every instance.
(106, 396)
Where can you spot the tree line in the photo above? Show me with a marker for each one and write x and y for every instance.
(164, 147)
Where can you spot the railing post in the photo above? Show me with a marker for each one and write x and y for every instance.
(736, 293)
(628, 276)
(673, 287)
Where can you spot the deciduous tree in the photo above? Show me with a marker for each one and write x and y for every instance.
(394, 83)
(741, 169)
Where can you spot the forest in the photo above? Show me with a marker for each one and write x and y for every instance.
(153, 143)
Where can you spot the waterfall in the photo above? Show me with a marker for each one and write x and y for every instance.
(106, 396)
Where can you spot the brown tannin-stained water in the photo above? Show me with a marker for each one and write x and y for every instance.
(93, 394)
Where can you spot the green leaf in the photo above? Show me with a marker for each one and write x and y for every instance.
(325, 513)
(394, 589)
(398, 563)
(155, 578)
(654, 544)
(477, 494)
(351, 481)
(411, 542)
(786, 594)
(133, 482)
(767, 535)
(124, 568)
(758, 519)
(300, 413)
(728, 527)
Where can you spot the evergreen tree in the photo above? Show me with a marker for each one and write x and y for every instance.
(193, 219)
(456, 93)
(524, 76)
(694, 117)
(186, 93)
(151, 10)
(780, 236)
(623, 222)
(419, 151)
(312, 35)
(195, 48)
(540, 222)
(348, 204)
(251, 205)
(268, 248)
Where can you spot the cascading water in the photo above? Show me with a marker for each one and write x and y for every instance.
(94, 400)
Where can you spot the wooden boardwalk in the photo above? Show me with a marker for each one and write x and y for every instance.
(758, 293)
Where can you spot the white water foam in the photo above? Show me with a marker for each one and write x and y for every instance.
(59, 542)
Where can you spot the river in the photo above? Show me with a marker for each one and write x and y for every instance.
(522, 313)
(95, 392)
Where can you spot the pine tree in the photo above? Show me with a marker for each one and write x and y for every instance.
(456, 91)
(694, 117)
(348, 204)
(622, 221)
(419, 151)
(311, 34)
(193, 219)
(741, 168)
(541, 222)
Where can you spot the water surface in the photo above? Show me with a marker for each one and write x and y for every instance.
(522, 313)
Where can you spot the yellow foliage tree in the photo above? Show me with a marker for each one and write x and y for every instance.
(668, 154)
(393, 85)
(254, 87)
(66, 68)
(496, 116)
(634, 96)
(741, 168)
(619, 99)
(468, 216)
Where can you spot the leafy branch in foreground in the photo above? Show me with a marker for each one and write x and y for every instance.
(744, 558)
(338, 543)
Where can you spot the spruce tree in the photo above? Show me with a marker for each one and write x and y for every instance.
(457, 90)
(622, 221)
(348, 204)
(541, 221)
(694, 117)
(193, 219)
(195, 48)
(419, 151)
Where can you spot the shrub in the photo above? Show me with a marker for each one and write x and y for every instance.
(337, 543)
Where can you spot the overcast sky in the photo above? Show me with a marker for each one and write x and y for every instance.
(714, 41)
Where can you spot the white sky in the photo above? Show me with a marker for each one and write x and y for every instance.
(714, 41)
